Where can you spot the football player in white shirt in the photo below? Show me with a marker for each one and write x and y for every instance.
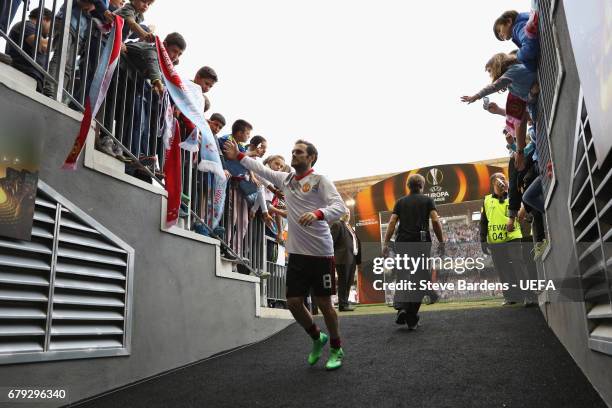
(312, 202)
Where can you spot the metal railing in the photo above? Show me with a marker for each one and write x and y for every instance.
(130, 113)
(129, 117)
(273, 292)
(550, 74)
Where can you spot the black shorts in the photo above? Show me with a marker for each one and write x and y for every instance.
(310, 275)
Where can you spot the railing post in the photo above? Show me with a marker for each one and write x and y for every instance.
(190, 168)
(64, 50)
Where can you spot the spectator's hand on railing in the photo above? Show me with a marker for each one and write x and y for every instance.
(469, 99)
(268, 220)
(43, 45)
(230, 149)
(109, 16)
(148, 37)
(158, 86)
(228, 175)
(276, 192)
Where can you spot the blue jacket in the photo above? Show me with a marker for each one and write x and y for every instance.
(529, 48)
(522, 80)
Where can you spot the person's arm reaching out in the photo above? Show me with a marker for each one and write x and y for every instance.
(231, 152)
(498, 85)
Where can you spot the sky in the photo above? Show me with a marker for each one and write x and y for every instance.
(374, 85)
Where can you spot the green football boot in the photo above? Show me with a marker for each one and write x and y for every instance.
(335, 359)
(317, 348)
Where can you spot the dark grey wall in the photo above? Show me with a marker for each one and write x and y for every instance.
(182, 312)
(567, 319)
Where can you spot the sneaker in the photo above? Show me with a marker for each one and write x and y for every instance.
(317, 348)
(6, 59)
(118, 151)
(261, 274)
(105, 145)
(335, 359)
(508, 303)
(401, 317)
(539, 248)
(413, 323)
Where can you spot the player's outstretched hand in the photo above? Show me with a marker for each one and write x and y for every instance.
(307, 218)
(230, 148)
(469, 99)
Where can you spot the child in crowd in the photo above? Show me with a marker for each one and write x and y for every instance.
(81, 18)
(114, 5)
(216, 123)
(277, 208)
(144, 57)
(522, 29)
(133, 14)
(206, 77)
(28, 31)
(508, 73)
(254, 188)
(241, 131)
(274, 196)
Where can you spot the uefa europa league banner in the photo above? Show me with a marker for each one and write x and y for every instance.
(457, 190)
(21, 139)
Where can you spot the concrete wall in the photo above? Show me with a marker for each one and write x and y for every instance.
(568, 319)
(182, 312)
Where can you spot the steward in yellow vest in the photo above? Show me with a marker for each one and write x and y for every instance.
(502, 244)
(495, 210)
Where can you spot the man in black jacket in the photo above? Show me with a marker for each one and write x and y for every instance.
(413, 212)
(347, 255)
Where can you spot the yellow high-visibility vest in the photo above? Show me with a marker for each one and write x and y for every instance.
(497, 215)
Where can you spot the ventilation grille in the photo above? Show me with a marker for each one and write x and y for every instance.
(65, 293)
(591, 214)
(550, 75)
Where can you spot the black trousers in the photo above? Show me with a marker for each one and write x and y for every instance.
(410, 300)
(346, 276)
(509, 264)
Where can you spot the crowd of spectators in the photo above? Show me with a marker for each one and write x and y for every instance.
(516, 73)
(42, 33)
